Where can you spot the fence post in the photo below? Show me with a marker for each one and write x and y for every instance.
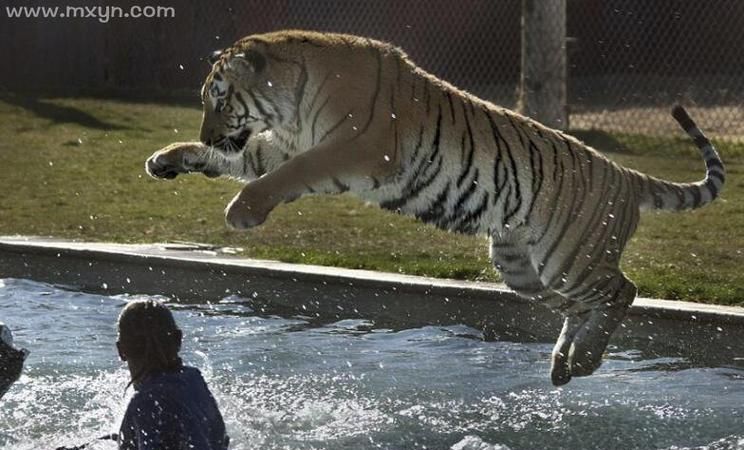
(542, 86)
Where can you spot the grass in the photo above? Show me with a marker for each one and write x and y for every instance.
(73, 168)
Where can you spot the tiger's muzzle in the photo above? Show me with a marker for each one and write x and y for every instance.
(229, 144)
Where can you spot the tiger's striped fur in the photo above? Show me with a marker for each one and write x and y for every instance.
(294, 113)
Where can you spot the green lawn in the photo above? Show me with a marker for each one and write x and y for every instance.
(73, 168)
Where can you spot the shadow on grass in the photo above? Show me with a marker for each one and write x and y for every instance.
(601, 140)
(58, 113)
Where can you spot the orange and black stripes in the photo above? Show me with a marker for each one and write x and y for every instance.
(558, 213)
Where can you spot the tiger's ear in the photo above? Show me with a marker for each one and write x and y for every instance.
(214, 56)
(250, 59)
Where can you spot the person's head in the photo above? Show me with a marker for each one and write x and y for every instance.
(149, 340)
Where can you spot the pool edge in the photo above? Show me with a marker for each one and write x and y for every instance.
(698, 331)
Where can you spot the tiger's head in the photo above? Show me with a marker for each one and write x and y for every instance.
(247, 92)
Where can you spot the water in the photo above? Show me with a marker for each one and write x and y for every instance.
(287, 383)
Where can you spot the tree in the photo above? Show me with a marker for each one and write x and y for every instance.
(542, 87)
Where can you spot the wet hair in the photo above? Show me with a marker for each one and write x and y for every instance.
(149, 334)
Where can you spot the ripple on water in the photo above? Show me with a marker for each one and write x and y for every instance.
(296, 384)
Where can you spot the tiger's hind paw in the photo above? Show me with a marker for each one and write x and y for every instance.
(560, 372)
(580, 364)
(582, 367)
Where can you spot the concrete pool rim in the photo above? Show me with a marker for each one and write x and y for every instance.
(188, 272)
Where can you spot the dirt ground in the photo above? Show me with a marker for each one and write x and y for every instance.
(718, 122)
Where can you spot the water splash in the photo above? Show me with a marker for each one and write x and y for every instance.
(296, 384)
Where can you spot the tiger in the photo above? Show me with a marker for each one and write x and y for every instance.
(292, 113)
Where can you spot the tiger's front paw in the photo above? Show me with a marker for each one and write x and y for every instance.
(248, 209)
(177, 158)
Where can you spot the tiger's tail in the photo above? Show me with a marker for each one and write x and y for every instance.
(661, 194)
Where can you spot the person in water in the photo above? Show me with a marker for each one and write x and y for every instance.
(11, 360)
(172, 407)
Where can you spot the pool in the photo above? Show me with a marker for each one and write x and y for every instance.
(297, 383)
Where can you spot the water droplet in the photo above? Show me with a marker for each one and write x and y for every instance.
(180, 66)
(354, 128)
(387, 158)
(350, 115)
(270, 84)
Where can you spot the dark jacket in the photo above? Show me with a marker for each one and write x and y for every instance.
(173, 411)
(11, 360)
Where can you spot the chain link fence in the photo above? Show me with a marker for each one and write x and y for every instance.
(628, 60)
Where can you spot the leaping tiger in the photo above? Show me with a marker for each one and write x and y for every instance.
(294, 113)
